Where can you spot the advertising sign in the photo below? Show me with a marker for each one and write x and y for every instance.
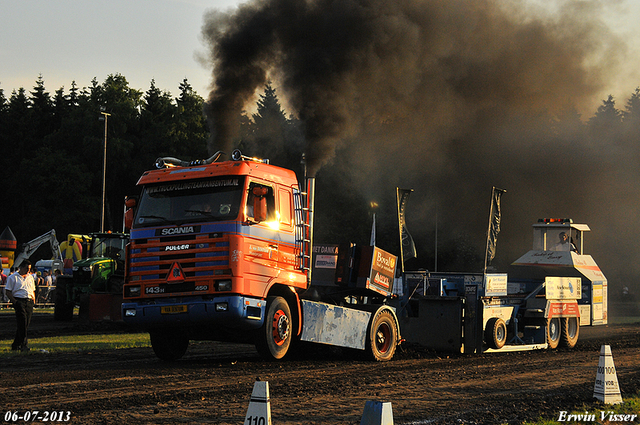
(559, 309)
(377, 270)
(325, 259)
(383, 268)
(495, 285)
(563, 288)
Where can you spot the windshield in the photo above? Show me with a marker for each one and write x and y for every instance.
(183, 202)
(108, 247)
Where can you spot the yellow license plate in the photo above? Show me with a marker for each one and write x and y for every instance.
(173, 309)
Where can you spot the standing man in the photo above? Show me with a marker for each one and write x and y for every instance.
(21, 291)
(46, 289)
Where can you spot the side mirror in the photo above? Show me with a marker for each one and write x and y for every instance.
(130, 204)
(259, 204)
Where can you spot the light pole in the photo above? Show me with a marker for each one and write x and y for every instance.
(104, 170)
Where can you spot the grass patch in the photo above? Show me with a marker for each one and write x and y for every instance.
(80, 343)
(631, 406)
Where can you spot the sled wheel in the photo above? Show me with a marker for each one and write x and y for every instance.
(383, 337)
(553, 332)
(169, 345)
(570, 332)
(274, 337)
(495, 333)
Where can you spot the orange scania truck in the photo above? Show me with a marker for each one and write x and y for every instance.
(221, 250)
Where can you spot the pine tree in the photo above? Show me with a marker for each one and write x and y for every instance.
(605, 125)
(190, 131)
(269, 134)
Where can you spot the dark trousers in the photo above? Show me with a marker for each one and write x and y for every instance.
(24, 310)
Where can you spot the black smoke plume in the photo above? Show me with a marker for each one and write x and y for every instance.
(449, 97)
(442, 67)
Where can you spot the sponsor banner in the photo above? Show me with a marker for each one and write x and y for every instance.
(325, 264)
(325, 249)
(190, 185)
(569, 309)
(383, 268)
(563, 288)
(495, 285)
(597, 294)
(326, 261)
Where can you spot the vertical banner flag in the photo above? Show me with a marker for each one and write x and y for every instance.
(372, 241)
(408, 248)
(494, 223)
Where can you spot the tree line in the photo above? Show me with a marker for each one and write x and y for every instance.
(53, 147)
(52, 155)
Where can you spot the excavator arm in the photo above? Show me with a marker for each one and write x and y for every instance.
(27, 249)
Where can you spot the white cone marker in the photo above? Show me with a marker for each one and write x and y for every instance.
(377, 413)
(259, 411)
(606, 388)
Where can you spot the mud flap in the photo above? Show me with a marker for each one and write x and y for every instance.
(334, 325)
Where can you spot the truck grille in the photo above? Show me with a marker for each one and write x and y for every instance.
(199, 256)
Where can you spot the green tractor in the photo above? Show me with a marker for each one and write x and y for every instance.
(100, 271)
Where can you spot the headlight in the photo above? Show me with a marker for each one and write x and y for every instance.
(130, 312)
(222, 306)
(223, 285)
(86, 268)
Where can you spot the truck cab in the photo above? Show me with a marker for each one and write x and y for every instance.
(217, 250)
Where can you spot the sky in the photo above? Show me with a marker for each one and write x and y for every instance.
(77, 40)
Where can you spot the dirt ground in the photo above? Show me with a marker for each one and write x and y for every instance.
(213, 382)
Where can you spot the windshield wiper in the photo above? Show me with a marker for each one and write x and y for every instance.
(201, 212)
(164, 219)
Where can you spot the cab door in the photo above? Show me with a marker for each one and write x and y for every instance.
(260, 240)
(287, 243)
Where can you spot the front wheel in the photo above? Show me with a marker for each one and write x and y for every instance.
(274, 337)
(169, 345)
(383, 337)
(553, 332)
(570, 332)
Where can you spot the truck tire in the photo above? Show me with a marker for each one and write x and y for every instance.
(62, 310)
(275, 335)
(553, 332)
(570, 332)
(383, 337)
(495, 333)
(169, 345)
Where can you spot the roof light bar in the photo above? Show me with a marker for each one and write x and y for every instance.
(555, 220)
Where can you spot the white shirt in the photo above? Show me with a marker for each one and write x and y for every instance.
(21, 287)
